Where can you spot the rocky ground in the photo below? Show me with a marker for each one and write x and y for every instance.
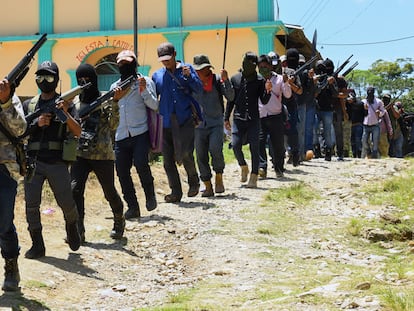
(214, 242)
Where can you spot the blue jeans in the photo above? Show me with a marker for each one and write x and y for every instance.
(209, 141)
(374, 131)
(305, 126)
(327, 120)
(397, 146)
(356, 140)
(9, 243)
(251, 128)
(133, 150)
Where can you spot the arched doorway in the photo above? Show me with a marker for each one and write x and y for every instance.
(107, 70)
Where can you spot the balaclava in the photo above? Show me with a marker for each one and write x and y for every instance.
(249, 66)
(292, 55)
(370, 94)
(47, 87)
(127, 69)
(91, 93)
(329, 66)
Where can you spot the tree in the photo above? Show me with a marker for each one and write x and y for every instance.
(395, 78)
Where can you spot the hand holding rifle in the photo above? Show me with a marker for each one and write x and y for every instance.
(5, 91)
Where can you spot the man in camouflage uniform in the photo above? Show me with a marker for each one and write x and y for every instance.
(12, 119)
(95, 152)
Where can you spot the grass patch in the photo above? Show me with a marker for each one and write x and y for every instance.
(397, 299)
(298, 194)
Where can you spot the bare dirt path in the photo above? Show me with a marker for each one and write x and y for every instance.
(206, 241)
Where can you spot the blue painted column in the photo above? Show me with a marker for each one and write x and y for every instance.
(106, 14)
(144, 69)
(265, 10)
(265, 37)
(45, 52)
(174, 13)
(46, 14)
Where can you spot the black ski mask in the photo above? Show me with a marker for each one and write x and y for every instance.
(329, 66)
(249, 66)
(292, 55)
(47, 76)
(84, 74)
(128, 69)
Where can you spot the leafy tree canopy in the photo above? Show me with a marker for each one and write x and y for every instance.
(395, 78)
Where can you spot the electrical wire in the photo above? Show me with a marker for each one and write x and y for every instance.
(369, 43)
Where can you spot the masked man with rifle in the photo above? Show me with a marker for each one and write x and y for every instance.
(95, 151)
(132, 141)
(48, 138)
(11, 120)
(327, 93)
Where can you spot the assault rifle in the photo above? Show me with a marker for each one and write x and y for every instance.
(19, 72)
(305, 65)
(292, 73)
(335, 74)
(84, 113)
(51, 107)
(348, 71)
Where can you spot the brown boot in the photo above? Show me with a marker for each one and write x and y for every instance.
(252, 181)
(244, 173)
(219, 183)
(209, 189)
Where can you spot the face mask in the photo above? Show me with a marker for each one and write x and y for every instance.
(128, 69)
(47, 87)
(249, 68)
(265, 72)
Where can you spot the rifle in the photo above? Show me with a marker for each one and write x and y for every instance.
(305, 66)
(84, 113)
(19, 72)
(347, 72)
(51, 107)
(342, 66)
(335, 74)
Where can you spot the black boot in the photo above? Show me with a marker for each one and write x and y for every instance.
(119, 227)
(72, 236)
(11, 276)
(81, 230)
(328, 154)
(317, 151)
(151, 201)
(132, 213)
(38, 245)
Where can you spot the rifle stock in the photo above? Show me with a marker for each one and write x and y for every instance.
(84, 113)
(20, 70)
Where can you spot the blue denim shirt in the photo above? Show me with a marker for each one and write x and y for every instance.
(132, 110)
(175, 98)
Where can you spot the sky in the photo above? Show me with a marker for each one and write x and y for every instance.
(367, 29)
